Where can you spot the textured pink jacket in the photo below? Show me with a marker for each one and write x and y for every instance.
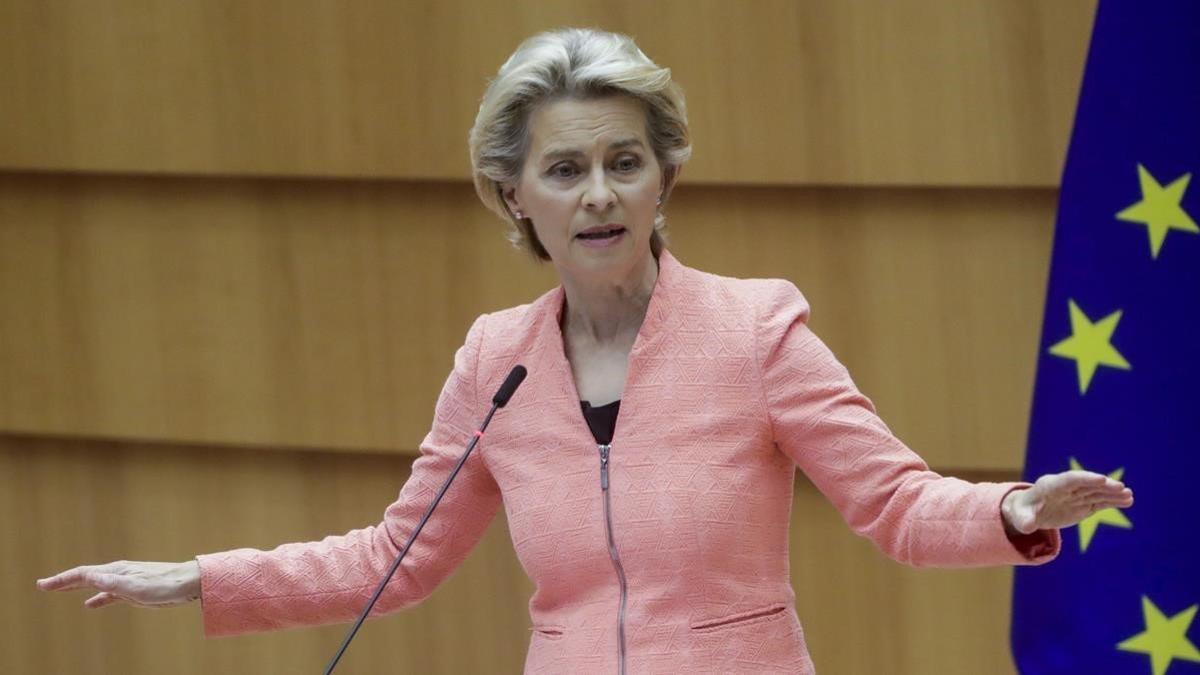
(681, 564)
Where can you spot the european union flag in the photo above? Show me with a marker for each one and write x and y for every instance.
(1118, 376)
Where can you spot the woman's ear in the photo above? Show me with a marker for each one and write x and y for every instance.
(509, 193)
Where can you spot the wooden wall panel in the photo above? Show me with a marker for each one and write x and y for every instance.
(64, 503)
(945, 92)
(244, 312)
(896, 160)
(325, 314)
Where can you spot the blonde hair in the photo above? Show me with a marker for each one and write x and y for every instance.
(571, 63)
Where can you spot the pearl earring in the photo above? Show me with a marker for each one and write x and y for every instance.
(520, 215)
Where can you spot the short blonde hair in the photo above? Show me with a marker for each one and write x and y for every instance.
(571, 63)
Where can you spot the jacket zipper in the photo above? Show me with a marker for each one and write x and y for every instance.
(612, 553)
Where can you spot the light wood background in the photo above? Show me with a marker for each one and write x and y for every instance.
(239, 246)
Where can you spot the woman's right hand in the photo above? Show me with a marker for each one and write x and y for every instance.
(143, 584)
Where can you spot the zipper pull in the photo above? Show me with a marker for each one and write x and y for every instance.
(604, 465)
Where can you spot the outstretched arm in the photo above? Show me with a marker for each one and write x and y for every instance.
(884, 490)
(311, 583)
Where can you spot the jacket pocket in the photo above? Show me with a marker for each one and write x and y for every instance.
(729, 621)
(548, 632)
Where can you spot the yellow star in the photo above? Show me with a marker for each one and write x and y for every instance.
(1110, 516)
(1164, 639)
(1160, 209)
(1089, 345)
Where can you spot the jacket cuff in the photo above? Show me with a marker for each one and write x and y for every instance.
(213, 613)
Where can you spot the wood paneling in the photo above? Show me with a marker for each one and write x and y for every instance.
(221, 300)
(914, 92)
(70, 503)
(325, 313)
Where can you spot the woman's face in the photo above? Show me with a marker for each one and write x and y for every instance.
(590, 185)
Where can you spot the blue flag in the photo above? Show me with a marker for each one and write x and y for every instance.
(1118, 373)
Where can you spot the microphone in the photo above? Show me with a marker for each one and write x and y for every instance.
(503, 394)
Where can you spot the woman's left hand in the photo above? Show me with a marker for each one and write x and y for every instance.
(1061, 500)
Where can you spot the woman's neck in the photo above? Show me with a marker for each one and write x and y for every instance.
(611, 309)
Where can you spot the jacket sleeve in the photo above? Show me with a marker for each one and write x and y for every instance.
(883, 490)
(329, 581)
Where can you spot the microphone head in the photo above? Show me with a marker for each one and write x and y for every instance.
(510, 385)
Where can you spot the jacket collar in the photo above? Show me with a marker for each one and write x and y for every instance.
(658, 312)
(547, 353)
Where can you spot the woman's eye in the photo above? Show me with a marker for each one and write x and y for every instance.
(562, 171)
(628, 163)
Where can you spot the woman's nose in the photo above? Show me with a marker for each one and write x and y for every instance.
(599, 196)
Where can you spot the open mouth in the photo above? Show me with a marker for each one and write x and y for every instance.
(602, 234)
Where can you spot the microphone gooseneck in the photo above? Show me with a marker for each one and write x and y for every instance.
(514, 379)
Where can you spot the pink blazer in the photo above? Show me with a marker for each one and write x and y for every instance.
(681, 564)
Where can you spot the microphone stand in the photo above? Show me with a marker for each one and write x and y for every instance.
(498, 401)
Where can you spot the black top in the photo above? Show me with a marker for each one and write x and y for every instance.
(601, 420)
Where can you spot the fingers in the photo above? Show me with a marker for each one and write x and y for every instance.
(63, 581)
(1100, 501)
(100, 600)
(1116, 493)
(1077, 481)
(96, 576)
(1124, 498)
(1095, 485)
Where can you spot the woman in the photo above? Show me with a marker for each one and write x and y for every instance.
(659, 543)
